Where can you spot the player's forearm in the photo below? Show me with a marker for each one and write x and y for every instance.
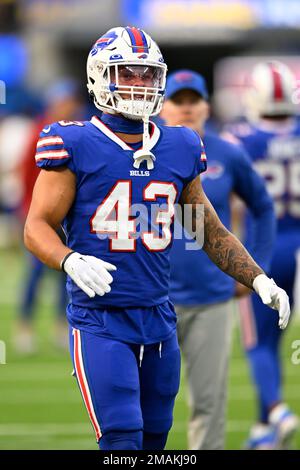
(222, 247)
(42, 240)
(227, 252)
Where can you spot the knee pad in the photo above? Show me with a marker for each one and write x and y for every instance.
(121, 440)
(153, 441)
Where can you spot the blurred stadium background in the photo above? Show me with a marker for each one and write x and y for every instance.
(43, 42)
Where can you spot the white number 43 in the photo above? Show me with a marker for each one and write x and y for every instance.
(122, 228)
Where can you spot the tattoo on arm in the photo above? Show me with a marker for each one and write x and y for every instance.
(222, 247)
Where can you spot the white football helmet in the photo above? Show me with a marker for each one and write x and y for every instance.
(126, 73)
(272, 89)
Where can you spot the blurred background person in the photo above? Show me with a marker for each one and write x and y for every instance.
(200, 291)
(18, 106)
(272, 139)
(62, 102)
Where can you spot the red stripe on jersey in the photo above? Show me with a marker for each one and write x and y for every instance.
(51, 137)
(49, 141)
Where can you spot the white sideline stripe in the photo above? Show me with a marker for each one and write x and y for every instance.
(75, 429)
(237, 364)
(66, 400)
(240, 371)
(244, 392)
(247, 392)
(33, 377)
(20, 429)
(71, 395)
(39, 372)
(41, 366)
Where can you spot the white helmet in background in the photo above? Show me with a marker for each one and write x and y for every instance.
(271, 94)
(126, 73)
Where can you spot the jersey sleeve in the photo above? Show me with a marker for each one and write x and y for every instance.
(196, 150)
(52, 149)
(248, 184)
(251, 188)
(201, 160)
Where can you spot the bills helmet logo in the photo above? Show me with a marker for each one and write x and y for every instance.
(104, 41)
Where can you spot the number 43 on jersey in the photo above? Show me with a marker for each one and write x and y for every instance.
(122, 227)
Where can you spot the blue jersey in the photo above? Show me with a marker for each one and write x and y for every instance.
(275, 149)
(102, 222)
(195, 279)
(275, 152)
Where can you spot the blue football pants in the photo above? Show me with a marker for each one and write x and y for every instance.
(129, 397)
(261, 334)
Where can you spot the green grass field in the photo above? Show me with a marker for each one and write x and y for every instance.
(40, 404)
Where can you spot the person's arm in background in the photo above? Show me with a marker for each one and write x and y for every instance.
(251, 188)
(227, 252)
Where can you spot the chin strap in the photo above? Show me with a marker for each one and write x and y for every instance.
(144, 153)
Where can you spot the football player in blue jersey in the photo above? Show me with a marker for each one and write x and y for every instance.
(273, 142)
(204, 311)
(93, 174)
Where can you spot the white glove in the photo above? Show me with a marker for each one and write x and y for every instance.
(274, 297)
(89, 273)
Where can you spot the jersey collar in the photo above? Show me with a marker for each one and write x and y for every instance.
(154, 134)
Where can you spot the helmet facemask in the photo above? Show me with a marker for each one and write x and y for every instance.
(133, 89)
